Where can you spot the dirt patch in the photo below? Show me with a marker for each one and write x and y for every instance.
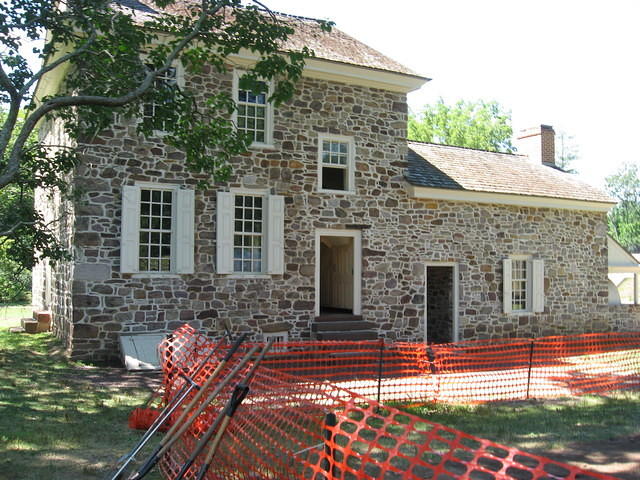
(619, 457)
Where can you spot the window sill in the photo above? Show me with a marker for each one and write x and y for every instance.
(155, 275)
(244, 276)
(338, 192)
(262, 146)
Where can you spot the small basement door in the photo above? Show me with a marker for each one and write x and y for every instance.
(441, 288)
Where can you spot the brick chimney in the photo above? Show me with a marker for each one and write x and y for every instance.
(539, 144)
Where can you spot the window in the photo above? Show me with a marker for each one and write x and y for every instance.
(168, 79)
(279, 339)
(247, 234)
(250, 233)
(157, 229)
(156, 215)
(335, 163)
(523, 285)
(254, 114)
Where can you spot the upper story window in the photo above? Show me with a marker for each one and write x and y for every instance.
(168, 79)
(523, 286)
(157, 229)
(254, 114)
(336, 163)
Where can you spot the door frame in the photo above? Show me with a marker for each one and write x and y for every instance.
(357, 265)
(455, 297)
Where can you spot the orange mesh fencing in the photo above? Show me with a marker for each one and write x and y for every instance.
(280, 431)
(371, 442)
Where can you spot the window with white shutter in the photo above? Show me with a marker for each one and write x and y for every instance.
(157, 229)
(250, 233)
(523, 284)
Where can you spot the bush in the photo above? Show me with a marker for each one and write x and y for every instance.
(15, 280)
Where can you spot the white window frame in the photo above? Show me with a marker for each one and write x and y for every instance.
(272, 233)
(534, 271)
(351, 162)
(269, 110)
(182, 229)
(279, 339)
(180, 81)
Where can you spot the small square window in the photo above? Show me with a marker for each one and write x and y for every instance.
(336, 164)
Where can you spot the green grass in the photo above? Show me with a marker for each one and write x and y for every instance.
(55, 423)
(543, 425)
(10, 315)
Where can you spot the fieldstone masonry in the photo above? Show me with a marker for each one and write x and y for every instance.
(93, 302)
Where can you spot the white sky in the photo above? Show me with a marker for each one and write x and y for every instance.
(572, 64)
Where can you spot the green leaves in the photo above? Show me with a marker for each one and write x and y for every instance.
(624, 218)
(482, 125)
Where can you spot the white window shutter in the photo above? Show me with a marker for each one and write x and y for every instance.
(185, 219)
(275, 234)
(130, 229)
(224, 232)
(537, 286)
(506, 285)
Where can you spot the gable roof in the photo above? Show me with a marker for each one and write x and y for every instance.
(334, 46)
(465, 169)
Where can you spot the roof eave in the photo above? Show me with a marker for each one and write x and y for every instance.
(325, 69)
(457, 195)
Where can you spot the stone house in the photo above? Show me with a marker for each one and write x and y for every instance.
(332, 225)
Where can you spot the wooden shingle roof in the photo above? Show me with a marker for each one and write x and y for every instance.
(334, 46)
(447, 167)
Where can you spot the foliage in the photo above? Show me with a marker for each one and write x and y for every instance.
(624, 218)
(482, 125)
(15, 280)
(60, 420)
(113, 60)
(567, 151)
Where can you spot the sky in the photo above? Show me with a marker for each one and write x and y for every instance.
(566, 63)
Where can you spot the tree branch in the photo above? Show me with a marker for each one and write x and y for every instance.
(58, 62)
(13, 164)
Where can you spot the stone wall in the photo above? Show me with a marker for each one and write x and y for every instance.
(52, 284)
(399, 234)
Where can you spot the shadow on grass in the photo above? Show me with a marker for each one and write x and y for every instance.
(56, 421)
(543, 425)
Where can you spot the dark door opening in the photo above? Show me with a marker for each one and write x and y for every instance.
(440, 298)
(336, 275)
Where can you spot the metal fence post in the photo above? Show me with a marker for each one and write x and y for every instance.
(380, 361)
(530, 366)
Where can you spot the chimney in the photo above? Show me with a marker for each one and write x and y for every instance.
(539, 144)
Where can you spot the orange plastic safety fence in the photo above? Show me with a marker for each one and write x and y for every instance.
(373, 442)
(278, 432)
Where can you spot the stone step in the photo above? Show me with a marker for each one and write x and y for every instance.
(341, 326)
(29, 325)
(353, 335)
(338, 317)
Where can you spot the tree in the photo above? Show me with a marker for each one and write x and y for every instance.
(113, 61)
(624, 218)
(482, 125)
(567, 151)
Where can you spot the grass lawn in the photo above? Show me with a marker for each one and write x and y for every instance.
(10, 315)
(55, 423)
(543, 426)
